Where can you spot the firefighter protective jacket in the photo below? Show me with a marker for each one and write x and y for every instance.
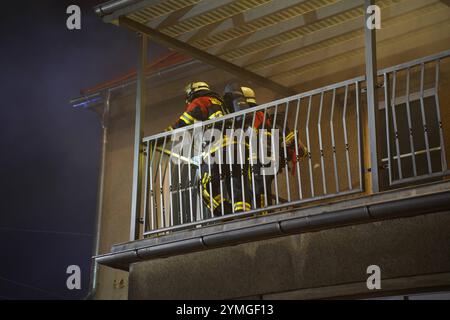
(200, 109)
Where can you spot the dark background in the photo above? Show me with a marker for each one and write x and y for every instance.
(49, 151)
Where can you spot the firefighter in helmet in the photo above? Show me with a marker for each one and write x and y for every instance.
(203, 104)
(237, 98)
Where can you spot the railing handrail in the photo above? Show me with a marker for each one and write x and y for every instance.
(415, 62)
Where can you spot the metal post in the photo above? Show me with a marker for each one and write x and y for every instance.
(101, 182)
(372, 101)
(138, 134)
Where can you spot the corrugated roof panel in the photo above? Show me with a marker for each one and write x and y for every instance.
(281, 78)
(139, 16)
(211, 17)
(303, 51)
(161, 9)
(300, 31)
(282, 39)
(262, 23)
(342, 38)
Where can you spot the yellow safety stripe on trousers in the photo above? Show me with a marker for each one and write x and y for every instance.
(289, 137)
(245, 206)
(218, 198)
(305, 151)
(263, 201)
(206, 179)
(207, 197)
(216, 115)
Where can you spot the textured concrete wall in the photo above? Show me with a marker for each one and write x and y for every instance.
(402, 248)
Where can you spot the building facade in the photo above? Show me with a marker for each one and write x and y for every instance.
(334, 216)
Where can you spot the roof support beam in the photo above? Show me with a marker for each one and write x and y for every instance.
(210, 59)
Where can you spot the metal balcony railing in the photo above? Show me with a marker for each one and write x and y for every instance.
(414, 135)
(326, 120)
(179, 174)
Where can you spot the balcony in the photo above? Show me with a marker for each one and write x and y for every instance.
(372, 187)
(326, 188)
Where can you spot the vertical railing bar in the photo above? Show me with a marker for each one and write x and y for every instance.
(410, 128)
(394, 119)
(241, 160)
(152, 199)
(424, 120)
(333, 141)
(211, 196)
(347, 147)
(285, 153)
(358, 128)
(199, 173)
(163, 209)
(239, 145)
(190, 178)
(252, 164)
(277, 196)
(311, 179)
(266, 195)
(146, 174)
(180, 195)
(220, 151)
(319, 129)
(438, 113)
(300, 191)
(386, 113)
(230, 142)
(171, 220)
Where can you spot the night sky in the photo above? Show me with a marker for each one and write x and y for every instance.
(49, 150)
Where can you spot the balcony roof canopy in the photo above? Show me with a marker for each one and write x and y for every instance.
(269, 42)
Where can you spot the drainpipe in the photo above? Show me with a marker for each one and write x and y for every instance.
(101, 179)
